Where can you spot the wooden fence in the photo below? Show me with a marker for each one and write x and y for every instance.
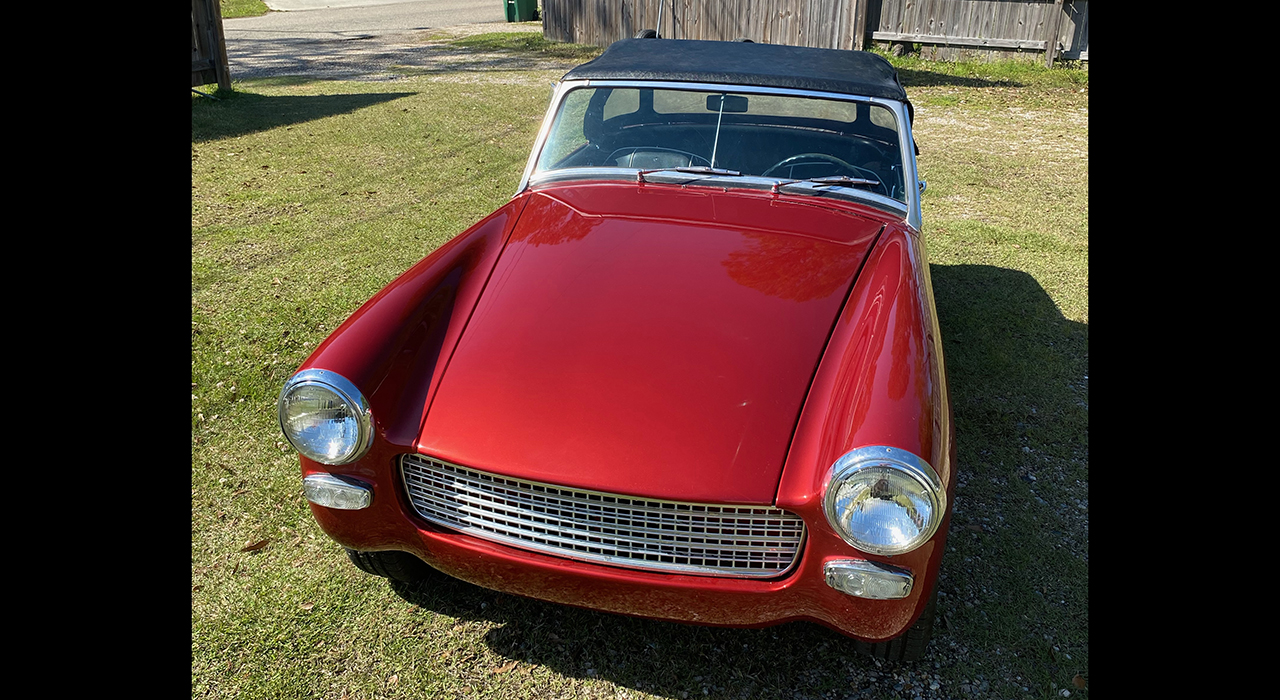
(948, 28)
(945, 28)
(208, 49)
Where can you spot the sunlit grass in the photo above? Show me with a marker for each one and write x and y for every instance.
(527, 44)
(243, 8)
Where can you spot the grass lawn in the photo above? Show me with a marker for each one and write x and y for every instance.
(309, 196)
(243, 8)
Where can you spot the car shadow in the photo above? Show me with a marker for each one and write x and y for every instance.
(1017, 372)
(247, 113)
(661, 658)
(1015, 578)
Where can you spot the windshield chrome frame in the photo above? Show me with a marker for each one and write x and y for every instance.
(906, 140)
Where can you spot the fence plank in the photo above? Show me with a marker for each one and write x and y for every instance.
(1052, 25)
(988, 26)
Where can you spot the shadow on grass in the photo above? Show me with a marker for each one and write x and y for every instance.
(357, 56)
(1015, 366)
(1014, 580)
(662, 658)
(924, 78)
(246, 113)
(1015, 576)
(521, 45)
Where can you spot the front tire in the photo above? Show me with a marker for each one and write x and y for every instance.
(909, 646)
(397, 566)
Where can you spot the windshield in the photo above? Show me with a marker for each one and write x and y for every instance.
(776, 136)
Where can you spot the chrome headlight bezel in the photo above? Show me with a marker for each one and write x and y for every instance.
(857, 463)
(344, 391)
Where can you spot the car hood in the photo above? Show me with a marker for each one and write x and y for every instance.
(649, 340)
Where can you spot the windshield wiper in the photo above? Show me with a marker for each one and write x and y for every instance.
(844, 180)
(693, 169)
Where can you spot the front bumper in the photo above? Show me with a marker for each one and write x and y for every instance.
(802, 593)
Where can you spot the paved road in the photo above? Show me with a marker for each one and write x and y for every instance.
(344, 38)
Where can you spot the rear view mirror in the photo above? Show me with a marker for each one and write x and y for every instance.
(732, 103)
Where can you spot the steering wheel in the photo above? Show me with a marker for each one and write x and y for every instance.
(817, 158)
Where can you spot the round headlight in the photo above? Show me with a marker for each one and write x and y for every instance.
(325, 417)
(884, 500)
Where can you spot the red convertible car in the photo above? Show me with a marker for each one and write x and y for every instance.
(691, 371)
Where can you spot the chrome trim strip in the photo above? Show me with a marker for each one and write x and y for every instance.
(557, 96)
(748, 182)
(942, 449)
(592, 526)
(910, 169)
(729, 87)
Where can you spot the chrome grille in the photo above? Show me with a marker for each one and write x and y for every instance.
(694, 538)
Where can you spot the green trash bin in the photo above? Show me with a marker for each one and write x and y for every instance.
(520, 10)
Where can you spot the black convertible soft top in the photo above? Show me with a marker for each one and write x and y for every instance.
(742, 63)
